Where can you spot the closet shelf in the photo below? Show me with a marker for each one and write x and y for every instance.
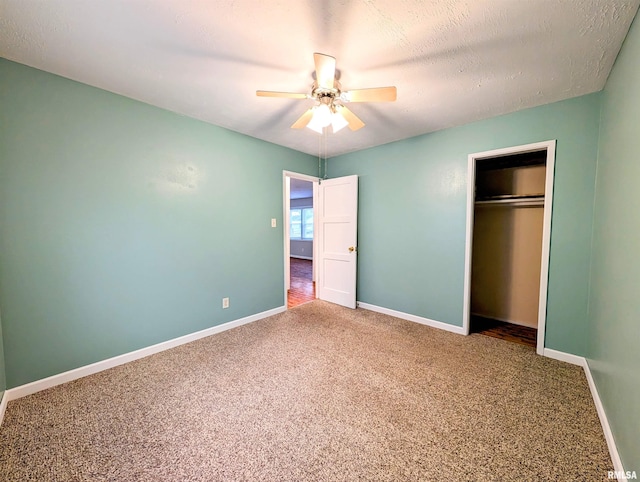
(514, 200)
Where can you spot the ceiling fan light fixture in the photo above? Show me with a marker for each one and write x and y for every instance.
(322, 115)
(314, 125)
(315, 128)
(338, 121)
(328, 93)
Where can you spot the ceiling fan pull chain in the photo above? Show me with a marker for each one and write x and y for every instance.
(326, 135)
(319, 157)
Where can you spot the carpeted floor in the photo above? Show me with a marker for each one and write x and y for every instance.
(319, 392)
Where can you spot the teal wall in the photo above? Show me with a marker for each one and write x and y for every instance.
(124, 225)
(412, 214)
(614, 312)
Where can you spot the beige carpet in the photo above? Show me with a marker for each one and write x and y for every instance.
(317, 393)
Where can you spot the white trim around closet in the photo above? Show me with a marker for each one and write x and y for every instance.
(3, 406)
(550, 147)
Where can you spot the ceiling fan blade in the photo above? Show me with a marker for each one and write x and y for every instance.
(325, 70)
(290, 95)
(376, 94)
(354, 121)
(303, 120)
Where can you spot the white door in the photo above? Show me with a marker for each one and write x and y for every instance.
(337, 236)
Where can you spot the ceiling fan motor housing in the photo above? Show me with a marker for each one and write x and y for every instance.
(325, 95)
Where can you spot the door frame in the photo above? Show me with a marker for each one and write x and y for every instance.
(550, 147)
(286, 188)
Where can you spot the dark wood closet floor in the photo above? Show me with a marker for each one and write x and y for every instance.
(302, 289)
(523, 335)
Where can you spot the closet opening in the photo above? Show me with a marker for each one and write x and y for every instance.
(509, 243)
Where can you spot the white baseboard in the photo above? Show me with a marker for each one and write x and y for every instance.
(409, 317)
(52, 381)
(604, 421)
(565, 357)
(602, 415)
(3, 406)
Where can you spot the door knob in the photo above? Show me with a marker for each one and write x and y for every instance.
(352, 249)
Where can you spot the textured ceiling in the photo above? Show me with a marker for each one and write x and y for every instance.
(453, 62)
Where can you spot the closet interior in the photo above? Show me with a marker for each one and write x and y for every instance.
(507, 246)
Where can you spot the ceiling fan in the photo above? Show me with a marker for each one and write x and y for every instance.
(330, 98)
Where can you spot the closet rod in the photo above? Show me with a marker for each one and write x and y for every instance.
(522, 201)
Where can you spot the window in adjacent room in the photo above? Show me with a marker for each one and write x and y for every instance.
(301, 223)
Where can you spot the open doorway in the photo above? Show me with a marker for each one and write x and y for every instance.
(302, 288)
(508, 236)
(300, 232)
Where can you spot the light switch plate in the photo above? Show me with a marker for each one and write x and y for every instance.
(273, 222)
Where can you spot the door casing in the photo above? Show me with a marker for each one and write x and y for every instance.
(550, 147)
(286, 185)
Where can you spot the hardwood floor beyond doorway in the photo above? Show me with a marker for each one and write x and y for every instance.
(523, 335)
(302, 289)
